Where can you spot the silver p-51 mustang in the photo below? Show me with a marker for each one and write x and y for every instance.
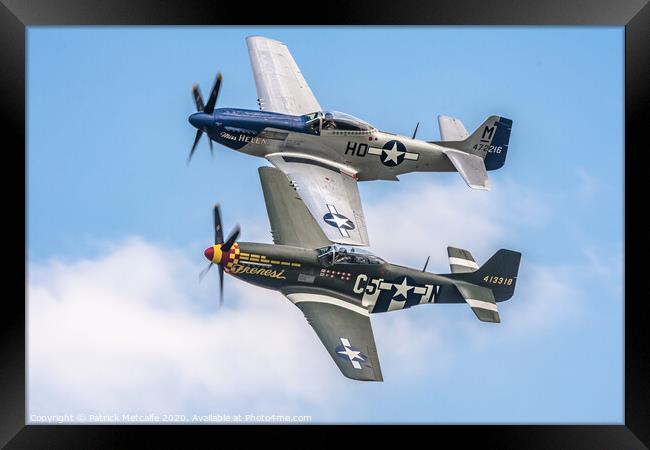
(325, 153)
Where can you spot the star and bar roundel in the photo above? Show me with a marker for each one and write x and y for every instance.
(390, 294)
(393, 153)
(350, 353)
(338, 220)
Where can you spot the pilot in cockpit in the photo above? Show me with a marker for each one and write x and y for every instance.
(328, 122)
(342, 256)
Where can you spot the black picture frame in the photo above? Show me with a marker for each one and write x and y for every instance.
(16, 15)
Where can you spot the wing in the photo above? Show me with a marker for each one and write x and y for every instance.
(280, 85)
(291, 222)
(452, 129)
(345, 331)
(330, 192)
(470, 167)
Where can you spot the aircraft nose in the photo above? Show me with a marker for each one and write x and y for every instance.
(195, 120)
(209, 253)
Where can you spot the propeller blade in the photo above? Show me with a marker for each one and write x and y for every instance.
(198, 98)
(199, 133)
(205, 271)
(218, 232)
(220, 286)
(212, 100)
(416, 130)
(225, 247)
(231, 240)
(211, 149)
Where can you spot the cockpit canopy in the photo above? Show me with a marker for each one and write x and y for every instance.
(336, 120)
(340, 254)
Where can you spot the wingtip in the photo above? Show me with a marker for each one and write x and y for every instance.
(255, 37)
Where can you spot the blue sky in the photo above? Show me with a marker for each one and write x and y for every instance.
(108, 139)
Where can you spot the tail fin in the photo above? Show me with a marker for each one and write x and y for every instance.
(482, 288)
(499, 273)
(490, 141)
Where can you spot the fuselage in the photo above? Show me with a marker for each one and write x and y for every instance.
(365, 281)
(371, 153)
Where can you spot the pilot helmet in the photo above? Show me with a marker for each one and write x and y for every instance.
(329, 116)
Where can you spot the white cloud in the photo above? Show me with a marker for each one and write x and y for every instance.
(118, 331)
(404, 343)
(434, 215)
(132, 331)
(451, 214)
(606, 262)
(545, 297)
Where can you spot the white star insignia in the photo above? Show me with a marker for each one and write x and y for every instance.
(402, 289)
(352, 354)
(340, 221)
(393, 154)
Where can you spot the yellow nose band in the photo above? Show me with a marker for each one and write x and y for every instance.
(216, 258)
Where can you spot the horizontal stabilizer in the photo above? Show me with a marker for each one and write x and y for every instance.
(452, 129)
(481, 300)
(460, 260)
(470, 167)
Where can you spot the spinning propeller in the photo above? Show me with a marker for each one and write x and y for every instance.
(208, 108)
(218, 253)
